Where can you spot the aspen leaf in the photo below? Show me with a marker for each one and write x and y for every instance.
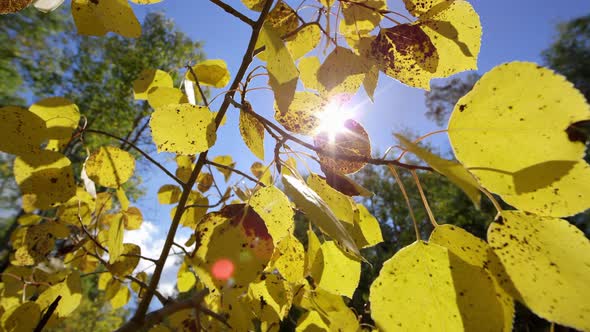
(122, 198)
(548, 260)
(46, 176)
(300, 117)
(511, 135)
(334, 312)
(340, 273)
(455, 31)
(226, 160)
(149, 79)
(454, 171)
(345, 184)
(252, 132)
(110, 166)
(185, 279)
(115, 237)
(235, 244)
(319, 213)
(204, 181)
(273, 206)
(169, 194)
(127, 260)
(360, 19)
(352, 141)
(132, 218)
(163, 95)
(212, 72)
(142, 276)
(282, 18)
(23, 317)
(308, 72)
(342, 72)
(406, 53)
(304, 41)
(365, 231)
(13, 6)
(103, 280)
(183, 128)
(191, 217)
(313, 247)
(280, 63)
(340, 204)
(97, 18)
(273, 297)
(419, 7)
(311, 321)
(71, 295)
(289, 259)
(121, 297)
(22, 130)
(370, 81)
(61, 117)
(262, 173)
(415, 291)
(255, 5)
(476, 252)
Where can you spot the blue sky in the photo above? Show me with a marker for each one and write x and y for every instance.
(512, 30)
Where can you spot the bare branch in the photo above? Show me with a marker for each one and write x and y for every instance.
(234, 12)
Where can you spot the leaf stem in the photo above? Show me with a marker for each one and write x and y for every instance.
(424, 200)
(405, 194)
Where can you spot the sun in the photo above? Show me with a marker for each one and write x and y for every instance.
(333, 119)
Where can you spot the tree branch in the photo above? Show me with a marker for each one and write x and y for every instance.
(47, 314)
(234, 12)
(235, 171)
(147, 156)
(140, 317)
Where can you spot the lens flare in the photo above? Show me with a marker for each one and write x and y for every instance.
(223, 269)
(333, 118)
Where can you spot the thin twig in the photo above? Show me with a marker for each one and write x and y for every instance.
(198, 85)
(212, 163)
(143, 153)
(234, 12)
(424, 200)
(405, 194)
(164, 300)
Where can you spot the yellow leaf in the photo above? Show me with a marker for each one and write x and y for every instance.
(185, 279)
(345, 184)
(115, 237)
(454, 171)
(255, 5)
(304, 41)
(23, 317)
(282, 18)
(342, 72)
(96, 18)
(204, 181)
(318, 212)
(313, 247)
(415, 291)
(103, 280)
(132, 218)
(370, 81)
(273, 206)
(226, 161)
(353, 141)
(262, 173)
(142, 276)
(366, 231)
(191, 216)
(419, 7)
(169, 194)
(110, 166)
(455, 30)
(252, 132)
(477, 253)
(61, 117)
(280, 64)
(71, 295)
(127, 260)
(183, 128)
(211, 72)
(311, 322)
(22, 131)
(46, 176)
(358, 19)
(339, 272)
(121, 298)
(271, 299)
(301, 115)
(548, 260)
(149, 79)
(340, 204)
(510, 133)
(289, 259)
(308, 68)
(334, 312)
(406, 53)
(234, 244)
(122, 197)
(162, 95)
